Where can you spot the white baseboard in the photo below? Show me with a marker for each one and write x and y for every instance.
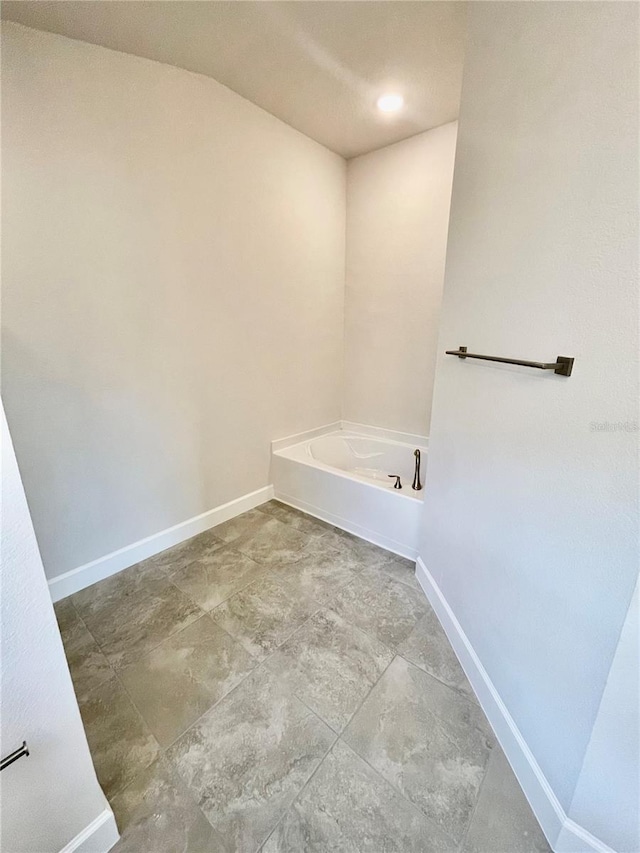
(574, 838)
(362, 532)
(98, 837)
(77, 579)
(563, 834)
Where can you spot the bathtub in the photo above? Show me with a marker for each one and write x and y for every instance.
(342, 477)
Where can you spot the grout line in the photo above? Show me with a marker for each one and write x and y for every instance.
(324, 526)
(100, 649)
(281, 587)
(473, 811)
(259, 663)
(322, 603)
(307, 706)
(263, 663)
(143, 596)
(235, 639)
(368, 693)
(148, 728)
(457, 690)
(164, 639)
(115, 676)
(306, 784)
(215, 705)
(222, 698)
(337, 738)
(386, 781)
(459, 695)
(350, 621)
(231, 594)
(396, 790)
(299, 794)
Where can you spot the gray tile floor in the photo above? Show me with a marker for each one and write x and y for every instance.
(277, 685)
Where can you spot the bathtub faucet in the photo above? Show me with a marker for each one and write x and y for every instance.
(398, 483)
(417, 485)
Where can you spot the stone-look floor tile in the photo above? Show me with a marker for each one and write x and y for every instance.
(87, 664)
(156, 814)
(348, 808)
(121, 744)
(247, 759)
(251, 754)
(242, 525)
(133, 583)
(66, 616)
(274, 542)
(396, 568)
(216, 576)
(300, 520)
(318, 572)
(263, 615)
(185, 675)
(134, 627)
(184, 553)
(331, 666)
(384, 608)
(503, 821)
(368, 554)
(427, 740)
(315, 546)
(427, 646)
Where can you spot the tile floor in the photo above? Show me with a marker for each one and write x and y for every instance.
(277, 685)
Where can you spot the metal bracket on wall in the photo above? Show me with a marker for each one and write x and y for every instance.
(563, 365)
(15, 755)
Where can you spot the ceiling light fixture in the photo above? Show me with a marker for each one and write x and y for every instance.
(390, 103)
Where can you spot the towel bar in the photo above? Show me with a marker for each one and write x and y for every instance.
(15, 755)
(562, 365)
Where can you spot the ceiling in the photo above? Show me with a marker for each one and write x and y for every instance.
(319, 66)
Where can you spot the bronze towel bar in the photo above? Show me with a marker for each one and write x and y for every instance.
(562, 365)
(15, 755)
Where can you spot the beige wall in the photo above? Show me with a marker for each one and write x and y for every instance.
(531, 494)
(397, 218)
(173, 271)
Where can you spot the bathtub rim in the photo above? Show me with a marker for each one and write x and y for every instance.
(285, 452)
(361, 430)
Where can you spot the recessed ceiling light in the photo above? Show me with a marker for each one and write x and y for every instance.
(390, 103)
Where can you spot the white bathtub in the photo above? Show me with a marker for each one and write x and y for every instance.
(343, 478)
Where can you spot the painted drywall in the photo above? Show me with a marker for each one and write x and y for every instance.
(38, 702)
(317, 66)
(397, 218)
(173, 285)
(531, 502)
(609, 783)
